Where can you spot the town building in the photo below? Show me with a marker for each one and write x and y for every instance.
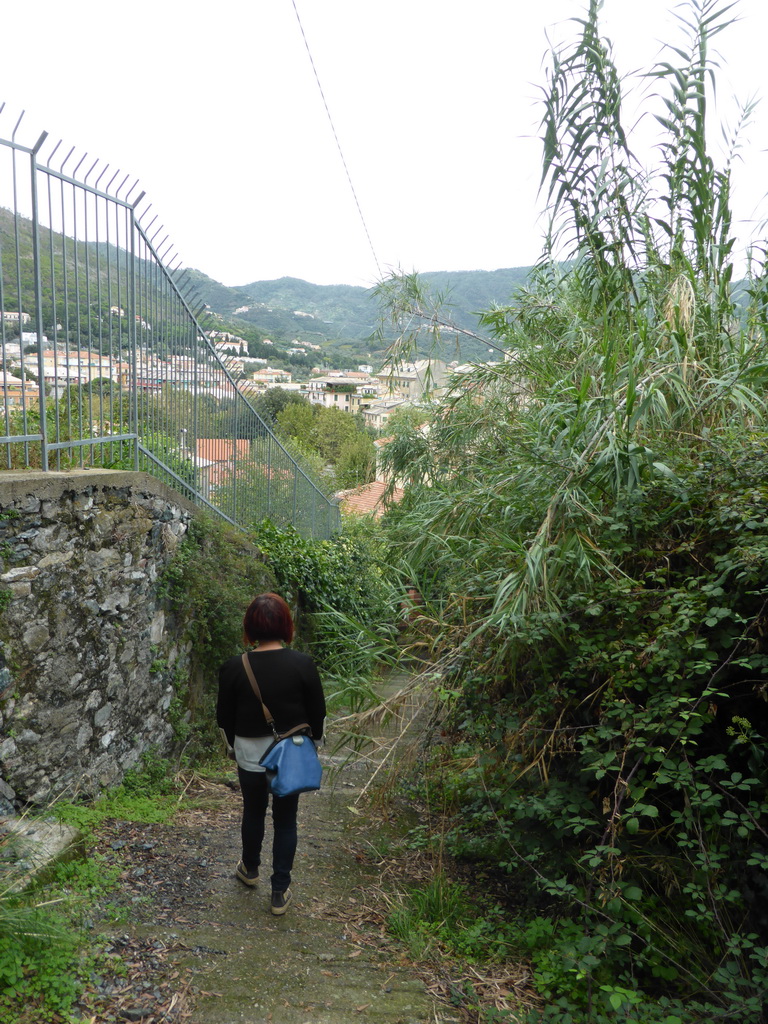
(18, 393)
(417, 381)
(269, 376)
(377, 414)
(369, 500)
(348, 390)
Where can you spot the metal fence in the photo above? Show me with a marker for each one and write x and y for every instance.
(105, 362)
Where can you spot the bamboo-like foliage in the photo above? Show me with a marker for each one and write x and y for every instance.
(594, 185)
(626, 348)
(588, 522)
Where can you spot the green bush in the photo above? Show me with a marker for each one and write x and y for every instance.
(39, 962)
(622, 768)
(344, 592)
(154, 776)
(212, 578)
(209, 583)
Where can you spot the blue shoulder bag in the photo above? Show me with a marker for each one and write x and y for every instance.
(291, 763)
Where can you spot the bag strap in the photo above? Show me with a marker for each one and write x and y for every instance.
(264, 708)
(257, 691)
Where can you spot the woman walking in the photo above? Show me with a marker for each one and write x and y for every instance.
(291, 688)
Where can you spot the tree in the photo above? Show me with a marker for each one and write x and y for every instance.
(274, 400)
(332, 429)
(297, 420)
(408, 417)
(356, 464)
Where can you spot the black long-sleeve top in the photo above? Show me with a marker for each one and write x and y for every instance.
(290, 687)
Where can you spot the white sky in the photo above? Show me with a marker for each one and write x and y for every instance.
(215, 109)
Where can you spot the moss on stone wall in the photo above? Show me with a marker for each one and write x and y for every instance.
(213, 577)
(83, 555)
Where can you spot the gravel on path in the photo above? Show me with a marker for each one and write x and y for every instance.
(196, 946)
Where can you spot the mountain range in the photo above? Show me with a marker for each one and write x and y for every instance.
(342, 318)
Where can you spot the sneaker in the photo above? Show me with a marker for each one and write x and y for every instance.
(249, 878)
(281, 901)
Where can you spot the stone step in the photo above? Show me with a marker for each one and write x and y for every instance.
(30, 845)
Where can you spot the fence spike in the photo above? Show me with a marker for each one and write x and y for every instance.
(106, 168)
(13, 133)
(74, 173)
(40, 141)
(66, 160)
(90, 172)
(180, 282)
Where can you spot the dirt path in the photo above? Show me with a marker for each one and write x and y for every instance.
(203, 948)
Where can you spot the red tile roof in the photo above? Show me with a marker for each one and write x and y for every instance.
(369, 499)
(222, 449)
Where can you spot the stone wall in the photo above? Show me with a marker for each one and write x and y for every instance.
(88, 656)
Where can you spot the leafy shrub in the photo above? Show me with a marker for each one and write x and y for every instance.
(342, 589)
(39, 962)
(154, 776)
(623, 766)
(212, 578)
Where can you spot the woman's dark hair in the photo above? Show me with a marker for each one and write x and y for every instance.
(268, 617)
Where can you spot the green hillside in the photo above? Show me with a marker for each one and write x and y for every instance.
(343, 318)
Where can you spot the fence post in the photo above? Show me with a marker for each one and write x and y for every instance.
(38, 304)
(134, 348)
(195, 408)
(235, 470)
(269, 475)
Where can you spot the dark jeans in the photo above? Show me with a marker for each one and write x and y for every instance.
(253, 786)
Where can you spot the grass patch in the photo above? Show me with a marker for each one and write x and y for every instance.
(148, 795)
(120, 805)
(47, 954)
(47, 951)
(442, 917)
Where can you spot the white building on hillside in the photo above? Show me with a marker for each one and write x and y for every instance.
(378, 413)
(416, 381)
(348, 390)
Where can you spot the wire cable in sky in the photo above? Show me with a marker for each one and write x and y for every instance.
(338, 144)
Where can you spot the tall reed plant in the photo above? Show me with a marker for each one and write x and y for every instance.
(590, 514)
